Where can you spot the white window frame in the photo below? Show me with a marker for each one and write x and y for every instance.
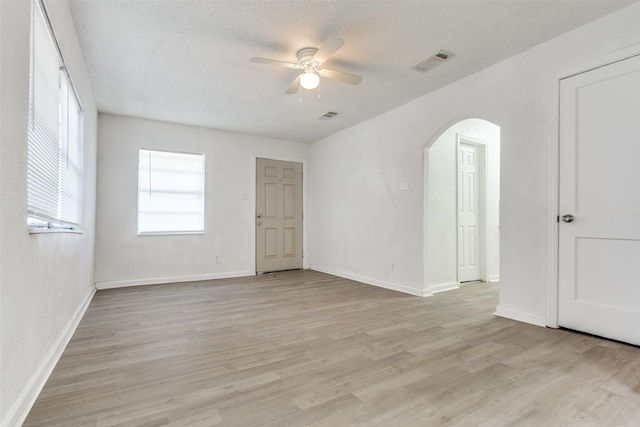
(171, 192)
(55, 135)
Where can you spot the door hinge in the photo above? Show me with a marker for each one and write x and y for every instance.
(558, 218)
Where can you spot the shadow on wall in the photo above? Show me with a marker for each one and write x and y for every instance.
(462, 206)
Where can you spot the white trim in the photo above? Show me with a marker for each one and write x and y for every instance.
(425, 217)
(21, 407)
(553, 212)
(172, 279)
(553, 266)
(253, 194)
(521, 316)
(374, 282)
(493, 278)
(600, 61)
(443, 287)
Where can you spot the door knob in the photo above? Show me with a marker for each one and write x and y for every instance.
(259, 216)
(567, 218)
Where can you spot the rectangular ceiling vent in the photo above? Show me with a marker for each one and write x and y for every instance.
(328, 115)
(432, 61)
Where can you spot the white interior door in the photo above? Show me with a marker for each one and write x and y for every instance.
(469, 212)
(599, 231)
(278, 215)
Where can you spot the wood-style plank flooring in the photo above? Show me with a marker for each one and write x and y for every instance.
(304, 348)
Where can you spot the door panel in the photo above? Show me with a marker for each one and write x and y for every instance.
(270, 243)
(597, 261)
(289, 201)
(599, 251)
(270, 199)
(278, 215)
(289, 242)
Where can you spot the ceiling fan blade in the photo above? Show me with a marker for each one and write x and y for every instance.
(328, 48)
(273, 62)
(339, 75)
(295, 86)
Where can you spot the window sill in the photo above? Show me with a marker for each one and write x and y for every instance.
(169, 233)
(53, 231)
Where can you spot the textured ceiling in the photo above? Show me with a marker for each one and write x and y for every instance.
(188, 61)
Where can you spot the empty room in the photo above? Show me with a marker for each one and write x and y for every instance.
(336, 213)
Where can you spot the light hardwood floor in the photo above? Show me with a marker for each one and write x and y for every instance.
(304, 348)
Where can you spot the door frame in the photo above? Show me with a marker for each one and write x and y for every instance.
(553, 260)
(482, 188)
(252, 199)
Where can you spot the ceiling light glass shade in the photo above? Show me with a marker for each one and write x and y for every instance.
(309, 80)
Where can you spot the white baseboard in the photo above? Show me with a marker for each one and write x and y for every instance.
(443, 287)
(521, 316)
(21, 407)
(494, 278)
(172, 279)
(374, 282)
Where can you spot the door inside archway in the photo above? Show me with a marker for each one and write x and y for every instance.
(461, 205)
(471, 210)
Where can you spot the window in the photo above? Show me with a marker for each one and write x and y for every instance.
(170, 193)
(54, 153)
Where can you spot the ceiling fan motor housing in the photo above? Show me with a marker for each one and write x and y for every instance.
(306, 54)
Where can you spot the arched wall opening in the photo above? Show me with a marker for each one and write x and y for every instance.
(443, 248)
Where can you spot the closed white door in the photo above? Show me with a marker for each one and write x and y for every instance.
(278, 215)
(469, 211)
(599, 230)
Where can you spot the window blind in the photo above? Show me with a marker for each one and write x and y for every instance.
(42, 160)
(54, 162)
(170, 192)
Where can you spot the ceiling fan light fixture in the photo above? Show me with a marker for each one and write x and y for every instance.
(309, 80)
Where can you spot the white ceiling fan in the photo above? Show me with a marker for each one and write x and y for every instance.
(310, 61)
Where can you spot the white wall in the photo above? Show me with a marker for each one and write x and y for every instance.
(361, 222)
(47, 279)
(362, 226)
(123, 258)
(440, 219)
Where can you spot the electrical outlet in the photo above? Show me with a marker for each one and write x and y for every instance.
(217, 259)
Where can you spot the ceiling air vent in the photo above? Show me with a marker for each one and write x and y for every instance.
(328, 115)
(432, 61)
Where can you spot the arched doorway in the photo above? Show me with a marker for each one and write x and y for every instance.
(449, 185)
